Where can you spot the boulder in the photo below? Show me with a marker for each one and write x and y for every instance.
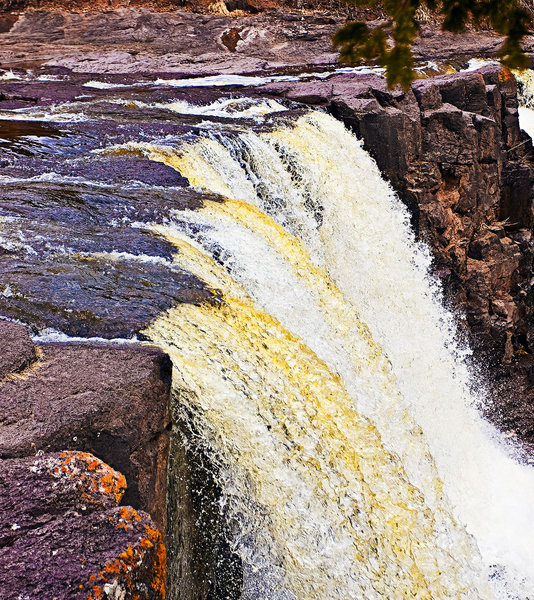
(111, 401)
(63, 534)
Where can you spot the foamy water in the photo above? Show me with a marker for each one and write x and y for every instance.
(346, 277)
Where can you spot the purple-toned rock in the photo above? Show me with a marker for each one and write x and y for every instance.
(62, 534)
(38, 489)
(111, 401)
(17, 348)
(82, 268)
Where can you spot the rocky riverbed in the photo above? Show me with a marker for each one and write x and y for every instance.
(79, 257)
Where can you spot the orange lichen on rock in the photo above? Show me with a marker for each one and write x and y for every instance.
(148, 553)
(160, 568)
(86, 468)
(127, 515)
(505, 74)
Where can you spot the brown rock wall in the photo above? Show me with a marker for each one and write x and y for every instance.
(453, 150)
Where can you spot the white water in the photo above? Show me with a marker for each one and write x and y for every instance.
(526, 119)
(525, 81)
(316, 181)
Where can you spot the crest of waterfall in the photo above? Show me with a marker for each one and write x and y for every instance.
(328, 382)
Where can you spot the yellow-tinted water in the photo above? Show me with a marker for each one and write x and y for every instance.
(330, 387)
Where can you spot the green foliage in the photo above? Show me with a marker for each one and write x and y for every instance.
(357, 42)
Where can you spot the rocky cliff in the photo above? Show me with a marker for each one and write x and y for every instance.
(453, 150)
(69, 528)
(451, 147)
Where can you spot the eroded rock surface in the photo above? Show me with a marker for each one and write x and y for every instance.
(178, 41)
(72, 262)
(159, 38)
(111, 401)
(450, 146)
(63, 534)
(18, 350)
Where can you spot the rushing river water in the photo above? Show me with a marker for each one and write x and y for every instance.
(314, 248)
(325, 383)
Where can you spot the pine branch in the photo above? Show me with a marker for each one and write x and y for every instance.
(358, 43)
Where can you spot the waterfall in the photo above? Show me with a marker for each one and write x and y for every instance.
(327, 382)
(525, 95)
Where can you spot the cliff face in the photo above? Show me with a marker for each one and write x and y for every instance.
(453, 150)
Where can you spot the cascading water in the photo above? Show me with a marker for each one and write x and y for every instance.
(327, 383)
(525, 85)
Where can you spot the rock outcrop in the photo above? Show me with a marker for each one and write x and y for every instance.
(178, 42)
(63, 408)
(111, 401)
(154, 37)
(453, 150)
(113, 279)
(451, 147)
(63, 535)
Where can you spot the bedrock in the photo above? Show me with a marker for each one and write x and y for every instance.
(452, 148)
(73, 526)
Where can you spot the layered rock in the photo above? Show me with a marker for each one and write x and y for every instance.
(81, 268)
(63, 535)
(451, 147)
(126, 40)
(453, 150)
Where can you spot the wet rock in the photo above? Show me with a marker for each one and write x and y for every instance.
(18, 350)
(510, 405)
(71, 260)
(122, 169)
(63, 535)
(111, 401)
(203, 563)
(94, 296)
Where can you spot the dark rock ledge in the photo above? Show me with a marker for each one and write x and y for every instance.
(63, 533)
